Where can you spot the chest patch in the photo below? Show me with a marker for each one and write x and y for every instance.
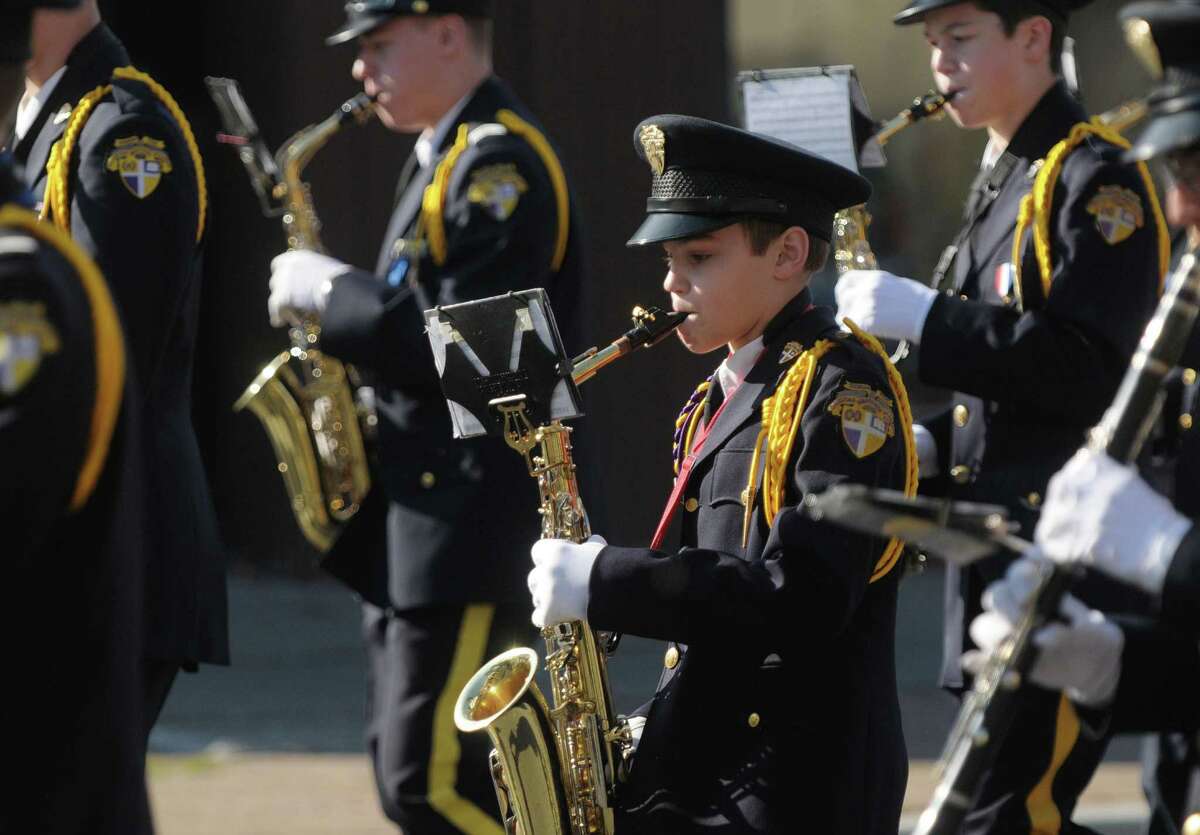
(26, 336)
(867, 418)
(1118, 213)
(141, 162)
(498, 189)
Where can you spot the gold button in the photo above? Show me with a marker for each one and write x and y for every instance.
(691, 505)
(420, 6)
(961, 473)
(428, 480)
(1034, 499)
(671, 659)
(964, 297)
(1185, 422)
(1191, 826)
(1189, 376)
(753, 720)
(961, 415)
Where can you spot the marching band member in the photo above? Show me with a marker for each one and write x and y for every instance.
(759, 595)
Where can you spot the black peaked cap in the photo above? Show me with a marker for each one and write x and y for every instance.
(1165, 36)
(915, 11)
(364, 15)
(706, 175)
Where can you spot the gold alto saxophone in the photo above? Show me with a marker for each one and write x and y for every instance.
(851, 249)
(555, 769)
(304, 398)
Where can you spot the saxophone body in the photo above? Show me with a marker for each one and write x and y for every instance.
(304, 398)
(555, 769)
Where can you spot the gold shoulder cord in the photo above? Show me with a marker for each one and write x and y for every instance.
(433, 202)
(110, 350)
(781, 415)
(1036, 207)
(57, 205)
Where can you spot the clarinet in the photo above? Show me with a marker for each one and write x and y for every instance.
(987, 711)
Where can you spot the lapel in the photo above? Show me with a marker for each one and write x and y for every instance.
(89, 66)
(799, 322)
(490, 96)
(1049, 122)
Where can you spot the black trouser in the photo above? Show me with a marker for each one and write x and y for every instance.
(157, 679)
(1043, 765)
(430, 777)
(1171, 781)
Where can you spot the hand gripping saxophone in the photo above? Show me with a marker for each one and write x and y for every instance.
(555, 769)
(303, 397)
(851, 249)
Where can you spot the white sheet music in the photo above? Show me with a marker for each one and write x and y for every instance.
(809, 107)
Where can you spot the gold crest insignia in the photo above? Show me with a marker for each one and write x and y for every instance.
(790, 352)
(654, 143)
(1118, 213)
(140, 162)
(26, 336)
(498, 189)
(867, 418)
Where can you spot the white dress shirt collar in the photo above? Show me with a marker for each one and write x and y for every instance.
(31, 104)
(424, 149)
(737, 365)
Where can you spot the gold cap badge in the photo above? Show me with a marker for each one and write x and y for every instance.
(654, 143)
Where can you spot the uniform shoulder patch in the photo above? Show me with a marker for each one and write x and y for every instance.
(497, 189)
(26, 335)
(1118, 213)
(867, 415)
(141, 162)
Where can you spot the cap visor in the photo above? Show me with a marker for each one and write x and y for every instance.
(352, 30)
(916, 12)
(1165, 134)
(671, 226)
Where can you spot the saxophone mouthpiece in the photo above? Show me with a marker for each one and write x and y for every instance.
(651, 325)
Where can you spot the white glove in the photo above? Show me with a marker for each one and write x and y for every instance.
(1104, 515)
(927, 452)
(883, 304)
(1081, 657)
(559, 580)
(300, 284)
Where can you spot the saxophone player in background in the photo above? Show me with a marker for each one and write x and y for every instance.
(120, 171)
(1036, 309)
(736, 739)
(483, 207)
(1134, 674)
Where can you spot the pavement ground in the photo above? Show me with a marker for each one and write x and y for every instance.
(272, 745)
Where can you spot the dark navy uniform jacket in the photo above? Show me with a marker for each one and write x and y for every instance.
(146, 246)
(777, 711)
(460, 515)
(70, 616)
(1030, 379)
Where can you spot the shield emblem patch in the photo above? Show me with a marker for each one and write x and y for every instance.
(867, 418)
(25, 337)
(140, 162)
(498, 189)
(1118, 213)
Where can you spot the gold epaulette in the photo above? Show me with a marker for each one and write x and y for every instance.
(1037, 206)
(109, 347)
(781, 415)
(433, 201)
(57, 204)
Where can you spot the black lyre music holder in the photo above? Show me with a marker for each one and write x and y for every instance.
(502, 348)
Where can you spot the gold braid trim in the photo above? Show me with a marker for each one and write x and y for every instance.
(433, 201)
(1036, 207)
(56, 206)
(781, 415)
(109, 348)
(891, 554)
(185, 128)
(558, 180)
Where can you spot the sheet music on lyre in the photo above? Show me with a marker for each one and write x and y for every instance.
(815, 108)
